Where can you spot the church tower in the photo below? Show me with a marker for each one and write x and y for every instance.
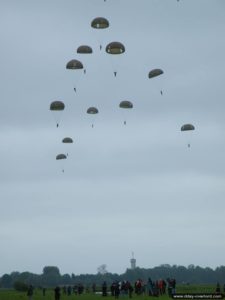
(133, 262)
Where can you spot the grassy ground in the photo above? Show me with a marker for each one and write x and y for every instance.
(14, 295)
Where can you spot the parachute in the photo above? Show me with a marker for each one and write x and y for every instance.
(92, 111)
(186, 127)
(100, 23)
(115, 48)
(126, 105)
(74, 64)
(67, 140)
(84, 49)
(57, 107)
(61, 156)
(154, 73)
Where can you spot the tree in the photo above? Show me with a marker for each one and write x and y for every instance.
(102, 269)
(51, 276)
(51, 270)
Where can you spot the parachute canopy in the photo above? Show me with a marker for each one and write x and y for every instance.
(92, 110)
(186, 127)
(115, 48)
(84, 49)
(74, 64)
(100, 23)
(67, 140)
(154, 73)
(126, 104)
(61, 156)
(57, 105)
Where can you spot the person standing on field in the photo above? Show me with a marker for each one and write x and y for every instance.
(57, 293)
(30, 292)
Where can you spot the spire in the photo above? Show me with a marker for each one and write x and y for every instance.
(133, 262)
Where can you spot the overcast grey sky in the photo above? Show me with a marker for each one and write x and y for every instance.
(125, 188)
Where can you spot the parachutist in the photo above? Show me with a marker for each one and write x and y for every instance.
(100, 47)
(75, 90)
(84, 71)
(115, 73)
(124, 122)
(189, 145)
(92, 125)
(63, 170)
(67, 154)
(57, 125)
(161, 92)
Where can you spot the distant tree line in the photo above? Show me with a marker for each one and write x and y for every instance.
(51, 276)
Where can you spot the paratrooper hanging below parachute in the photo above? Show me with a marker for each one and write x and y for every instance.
(61, 157)
(67, 140)
(92, 111)
(84, 49)
(77, 65)
(100, 23)
(187, 127)
(57, 107)
(154, 73)
(126, 105)
(115, 48)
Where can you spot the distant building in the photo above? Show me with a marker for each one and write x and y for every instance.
(133, 262)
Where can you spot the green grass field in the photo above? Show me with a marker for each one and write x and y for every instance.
(14, 295)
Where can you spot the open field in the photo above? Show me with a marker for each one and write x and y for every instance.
(15, 295)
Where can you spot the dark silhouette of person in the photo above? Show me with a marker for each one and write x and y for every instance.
(130, 290)
(117, 290)
(69, 290)
(218, 290)
(30, 292)
(104, 289)
(57, 293)
(94, 288)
